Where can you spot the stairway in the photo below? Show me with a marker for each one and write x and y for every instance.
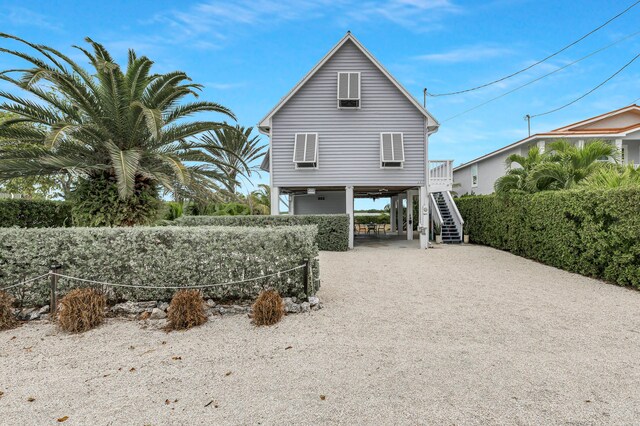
(450, 234)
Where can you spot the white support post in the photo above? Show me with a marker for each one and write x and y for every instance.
(409, 215)
(292, 200)
(399, 214)
(423, 214)
(541, 146)
(275, 200)
(618, 153)
(392, 213)
(580, 144)
(349, 204)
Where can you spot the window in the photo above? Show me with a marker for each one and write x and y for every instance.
(474, 175)
(348, 90)
(624, 155)
(391, 150)
(305, 150)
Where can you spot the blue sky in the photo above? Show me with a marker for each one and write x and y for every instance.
(248, 54)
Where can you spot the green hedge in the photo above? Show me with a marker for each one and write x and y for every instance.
(591, 232)
(169, 255)
(333, 229)
(34, 213)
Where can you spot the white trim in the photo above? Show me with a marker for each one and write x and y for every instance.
(431, 121)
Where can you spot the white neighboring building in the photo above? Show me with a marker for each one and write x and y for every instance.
(620, 127)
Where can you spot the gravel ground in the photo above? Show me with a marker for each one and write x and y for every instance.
(455, 335)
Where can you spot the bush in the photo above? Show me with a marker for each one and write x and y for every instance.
(34, 213)
(382, 219)
(268, 308)
(157, 256)
(81, 309)
(590, 232)
(186, 310)
(333, 230)
(7, 317)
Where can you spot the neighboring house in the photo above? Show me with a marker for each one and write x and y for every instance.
(620, 127)
(349, 130)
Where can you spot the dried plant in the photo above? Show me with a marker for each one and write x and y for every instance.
(186, 310)
(7, 317)
(81, 309)
(268, 308)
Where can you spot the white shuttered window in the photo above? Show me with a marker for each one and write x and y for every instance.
(348, 90)
(391, 150)
(305, 150)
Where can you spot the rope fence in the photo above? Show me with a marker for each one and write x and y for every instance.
(55, 276)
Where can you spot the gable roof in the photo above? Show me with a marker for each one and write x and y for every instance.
(264, 124)
(573, 130)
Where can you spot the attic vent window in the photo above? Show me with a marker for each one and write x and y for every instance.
(305, 150)
(391, 150)
(349, 90)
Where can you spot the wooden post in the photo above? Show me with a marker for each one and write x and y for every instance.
(305, 280)
(53, 303)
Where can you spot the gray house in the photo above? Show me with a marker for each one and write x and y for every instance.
(620, 128)
(349, 130)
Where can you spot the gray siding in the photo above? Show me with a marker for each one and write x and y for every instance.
(329, 202)
(489, 170)
(349, 140)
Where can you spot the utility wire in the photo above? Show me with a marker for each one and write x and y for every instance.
(543, 76)
(540, 61)
(590, 91)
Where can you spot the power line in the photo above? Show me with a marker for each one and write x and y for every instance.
(595, 52)
(590, 91)
(540, 61)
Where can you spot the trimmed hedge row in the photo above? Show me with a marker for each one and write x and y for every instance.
(34, 213)
(170, 256)
(591, 232)
(333, 229)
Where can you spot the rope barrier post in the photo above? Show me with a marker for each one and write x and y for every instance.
(305, 279)
(53, 304)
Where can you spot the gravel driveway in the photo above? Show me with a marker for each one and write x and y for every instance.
(455, 335)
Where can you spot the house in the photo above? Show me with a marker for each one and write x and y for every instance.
(620, 127)
(350, 130)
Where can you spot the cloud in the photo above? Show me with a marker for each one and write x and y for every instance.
(466, 54)
(20, 16)
(223, 86)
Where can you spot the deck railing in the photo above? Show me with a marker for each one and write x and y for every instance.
(441, 174)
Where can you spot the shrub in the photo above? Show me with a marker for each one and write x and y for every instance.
(186, 310)
(590, 232)
(268, 308)
(382, 218)
(333, 230)
(34, 213)
(7, 317)
(81, 309)
(156, 256)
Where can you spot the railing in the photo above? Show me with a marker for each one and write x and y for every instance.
(440, 175)
(436, 215)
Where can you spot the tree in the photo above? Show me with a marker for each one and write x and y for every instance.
(231, 151)
(517, 179)
(613, 177)
(566, 165)
(122, 134)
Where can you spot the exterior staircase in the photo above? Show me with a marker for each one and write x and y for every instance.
(450, 233)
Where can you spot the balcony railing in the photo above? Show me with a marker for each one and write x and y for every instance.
(440, 175)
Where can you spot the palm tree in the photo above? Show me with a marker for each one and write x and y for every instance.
(231, 150)
(566, 165)
(613, 177)
(517, 179)
(121, 133)
(260, 200)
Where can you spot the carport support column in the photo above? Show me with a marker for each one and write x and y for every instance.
(392, 212)
(409, 215)
(399, 214)
(423, 217)
(349, 202)
(292, 200)
(275, 200)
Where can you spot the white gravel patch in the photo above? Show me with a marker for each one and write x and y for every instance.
(455, 335)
